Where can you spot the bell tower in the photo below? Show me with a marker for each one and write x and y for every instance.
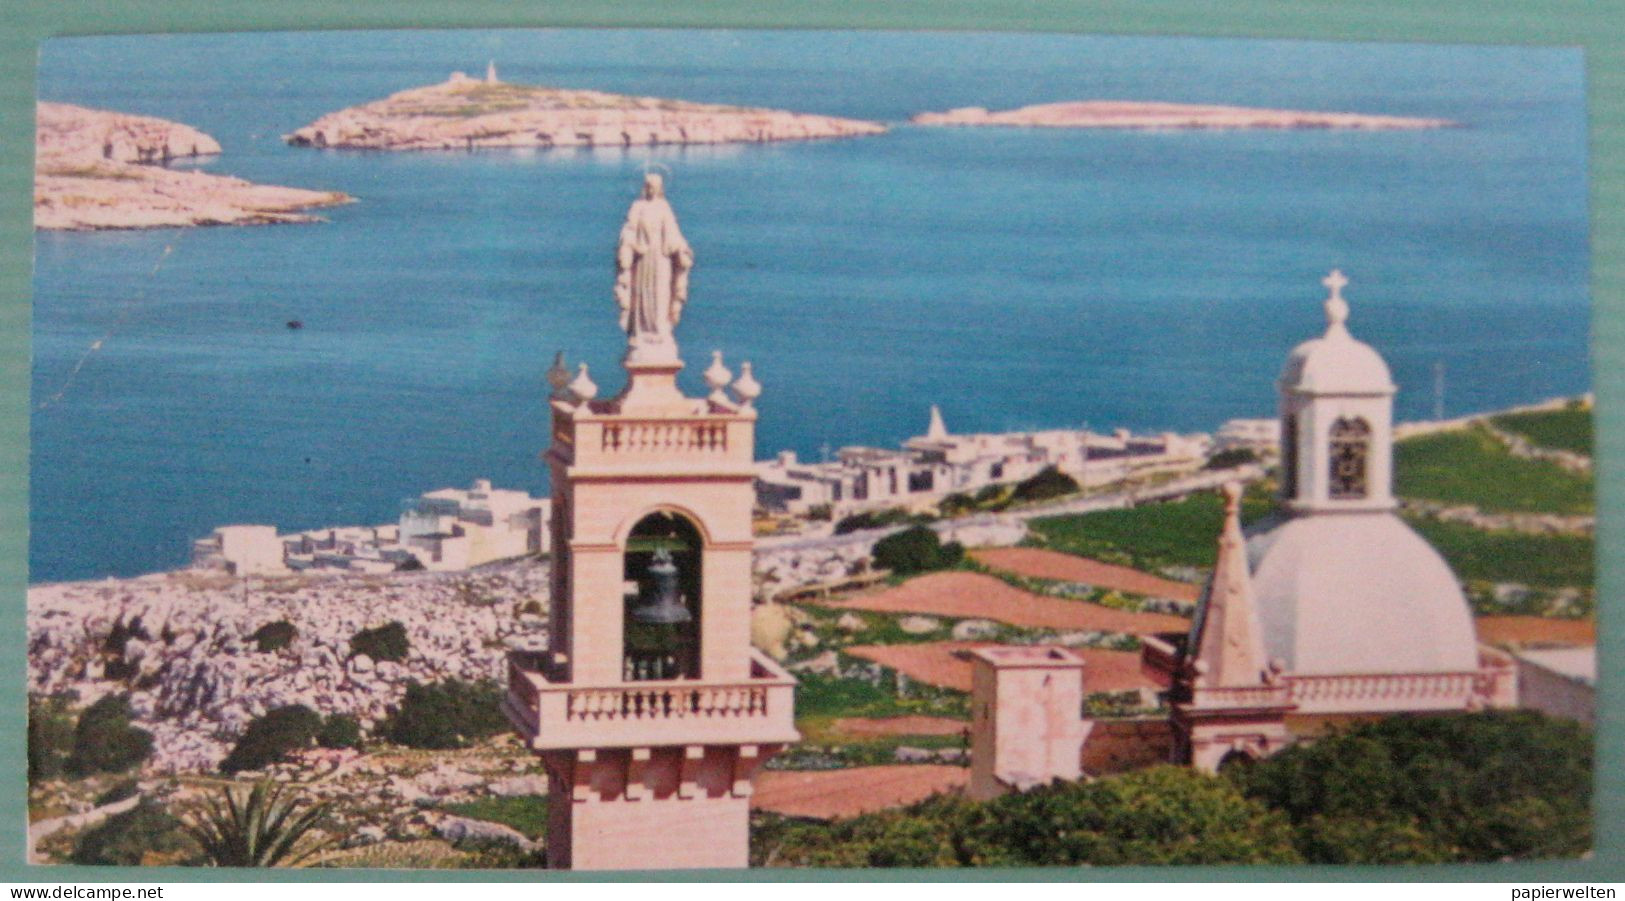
(1337, 402)
(650, 709)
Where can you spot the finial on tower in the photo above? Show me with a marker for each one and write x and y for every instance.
(717, 378)
(558, 375)
(1337, 309)
(491, 72)
(584, 388)
(747, 389)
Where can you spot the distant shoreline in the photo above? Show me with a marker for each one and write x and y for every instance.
(98, 169)
(1146, 115)
(464, 113)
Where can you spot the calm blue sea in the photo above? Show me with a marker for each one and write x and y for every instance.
(1018, 278)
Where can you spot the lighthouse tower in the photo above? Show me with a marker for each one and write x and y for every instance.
(650, 709)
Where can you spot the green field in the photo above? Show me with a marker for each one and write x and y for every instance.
(1568, 429)
(1177, 533)
(1471, 467)
(525, 813)
(1547, 561)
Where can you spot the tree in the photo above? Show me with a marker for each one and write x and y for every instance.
(916, 550)
(1468, 787)
(1049, 482)
(50, 737)
(447, 715)
(104, 741)
(340, 730)
(388, 642)
(1162, 815)
(1232, 457)
(144, 835)
(274, 636)
(270, 738)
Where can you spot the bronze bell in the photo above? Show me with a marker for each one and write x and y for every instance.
(660, 602)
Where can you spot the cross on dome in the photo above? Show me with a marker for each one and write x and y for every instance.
(1337, 309)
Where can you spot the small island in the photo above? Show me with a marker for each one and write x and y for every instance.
(97, 169)
(464, 113)
(1148, 115)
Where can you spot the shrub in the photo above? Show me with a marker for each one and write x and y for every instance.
(145, 835)
(265, 829)
(447, 715)
(1049, 482)
(50, 737)
(1162, 815)
(268, 739)
(1235, 456)
(340, 730)
(916, 550)
(124, 788)
(386, 642)
(274, 636)
(878, 519)
(105, 742)
(1478, 787)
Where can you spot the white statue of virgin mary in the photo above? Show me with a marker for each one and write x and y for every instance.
(651, 274)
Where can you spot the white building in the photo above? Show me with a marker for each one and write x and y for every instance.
(453, 528)
(241, 551)
(448, 529)
(932, 466)
(1261, 436)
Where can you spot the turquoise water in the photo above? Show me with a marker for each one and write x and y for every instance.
(1018, 278)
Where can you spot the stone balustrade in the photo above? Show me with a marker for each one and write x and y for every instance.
(1387, 692)
(664, 436)
(557, 715)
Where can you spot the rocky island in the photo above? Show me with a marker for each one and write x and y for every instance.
(464, 113)
(98, 169)
(1146, 115)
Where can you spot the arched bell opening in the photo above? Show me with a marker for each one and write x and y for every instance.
(1349, 453)
(661, 623)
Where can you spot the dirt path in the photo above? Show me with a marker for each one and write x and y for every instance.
(939, 663)
(966, 595)
(1038, 563)
(838, 794)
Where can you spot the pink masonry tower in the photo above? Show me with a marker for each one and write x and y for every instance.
(650, 709)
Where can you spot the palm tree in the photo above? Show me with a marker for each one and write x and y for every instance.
(266, 829)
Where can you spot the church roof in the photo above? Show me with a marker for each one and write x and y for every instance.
(1336, 362)
(1358, 593)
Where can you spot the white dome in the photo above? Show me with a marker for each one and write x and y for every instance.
(1358, 593)
(1336, 364)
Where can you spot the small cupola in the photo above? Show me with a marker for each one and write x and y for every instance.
(1336, 419)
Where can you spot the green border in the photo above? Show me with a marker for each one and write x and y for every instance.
(1594, 25)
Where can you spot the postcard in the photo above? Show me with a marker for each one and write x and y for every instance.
(643, 450)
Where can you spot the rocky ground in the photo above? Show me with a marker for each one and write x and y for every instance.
(97, 169)
(1137, 114)
(464, 114)
(179, 643)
